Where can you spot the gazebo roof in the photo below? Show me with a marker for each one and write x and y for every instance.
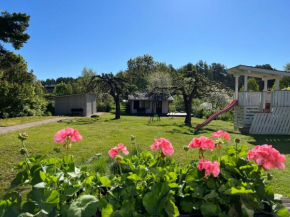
(257, 72)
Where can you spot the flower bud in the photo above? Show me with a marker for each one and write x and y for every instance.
(133, 137)
(119, 158)
(23, 136)
(237, 140)
(269, 176)
(185, 148)
(23, 151)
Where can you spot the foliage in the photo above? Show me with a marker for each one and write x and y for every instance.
(115, 85)
(154, 184)
(12, 29)
(63, 89)
(252, 85)
(21, 94)
(219, 99)
(191, 84)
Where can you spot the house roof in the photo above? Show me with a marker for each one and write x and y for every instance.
(75, 94)
(257, 72)
(151, 96)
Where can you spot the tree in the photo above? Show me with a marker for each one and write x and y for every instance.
(191, 84)
(252, 85)
(84, 81)
(63, 89)
(12, 28)
(115, 85)
(21, 94)
(139, 70)
(287, 67)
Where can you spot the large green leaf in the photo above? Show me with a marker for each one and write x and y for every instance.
(20, 179)
(209, 209)
(154, 201)
(46, 199)
(105, 181)
(107, 211)
(84, 206)
(171, 209)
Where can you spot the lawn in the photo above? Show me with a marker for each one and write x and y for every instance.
(22, 120)
(103, 133)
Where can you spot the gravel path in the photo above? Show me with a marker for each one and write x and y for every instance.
(4, 130)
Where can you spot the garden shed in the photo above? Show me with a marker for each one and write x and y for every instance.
(75, 104)
(149, 103)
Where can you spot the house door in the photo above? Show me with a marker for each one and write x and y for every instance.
(159, 107)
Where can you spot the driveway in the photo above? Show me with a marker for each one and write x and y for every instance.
(4, 130)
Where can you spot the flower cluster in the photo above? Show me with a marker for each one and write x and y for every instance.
(209, 167)
(164, 144)
(202, 143)
(113, 152)
(267, 157)
(67, 134)
(221, 133)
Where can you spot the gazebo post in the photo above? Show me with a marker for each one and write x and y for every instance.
(265, 84)
(236, 87)
(277, 84)
(246, 83)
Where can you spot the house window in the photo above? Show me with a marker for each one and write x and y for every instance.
(136, 104)
(147, 104)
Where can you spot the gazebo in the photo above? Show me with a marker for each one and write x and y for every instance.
(263, 112)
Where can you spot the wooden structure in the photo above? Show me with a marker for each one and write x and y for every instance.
(265, 112)
(149, 103)
(75, 104)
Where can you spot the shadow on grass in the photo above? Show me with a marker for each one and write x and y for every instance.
(79, 121)
(281, 143)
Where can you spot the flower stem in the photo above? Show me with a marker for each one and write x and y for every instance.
(120, 169)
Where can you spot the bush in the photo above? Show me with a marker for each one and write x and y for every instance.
(148, 183)
(198, 112)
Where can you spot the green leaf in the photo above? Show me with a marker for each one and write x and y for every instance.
(21, 178)
(241, 190)
(280, 211)
(126, 211)
(105, 181)
(45, 198)
(171, 209)
(85, 205)
(209, 209)
(154, 201)
(134, 177)
(107, 211)
(186, 204)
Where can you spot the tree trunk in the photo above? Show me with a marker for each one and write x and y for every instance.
(188, 105)
(118, 110)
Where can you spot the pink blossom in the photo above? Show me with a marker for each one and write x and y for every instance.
(267, 157)
(164, 144)
(210, 167)
(202, 142)
(221, 133)
(122, 147)
(114, 151)
(68, 133)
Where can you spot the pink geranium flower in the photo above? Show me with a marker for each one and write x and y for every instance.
(202, 142)
(267, 156)
(209, 167)
(221, 133)
(69, 134)
(113, 152)
(164, 144)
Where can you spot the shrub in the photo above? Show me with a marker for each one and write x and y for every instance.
(148, 183)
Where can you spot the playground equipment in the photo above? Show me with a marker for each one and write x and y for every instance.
(265, 112)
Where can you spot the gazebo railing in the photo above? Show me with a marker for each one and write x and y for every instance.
(250, 98)
(280, 98)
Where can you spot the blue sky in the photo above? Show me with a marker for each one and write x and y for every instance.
(67, 35)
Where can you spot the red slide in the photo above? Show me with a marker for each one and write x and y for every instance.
(213, 116)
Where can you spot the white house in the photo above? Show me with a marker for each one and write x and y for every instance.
(149, 103)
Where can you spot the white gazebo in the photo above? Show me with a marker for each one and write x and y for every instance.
(265, 112)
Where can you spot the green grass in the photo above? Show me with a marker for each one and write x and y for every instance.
(103, 133)
(22, 120)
